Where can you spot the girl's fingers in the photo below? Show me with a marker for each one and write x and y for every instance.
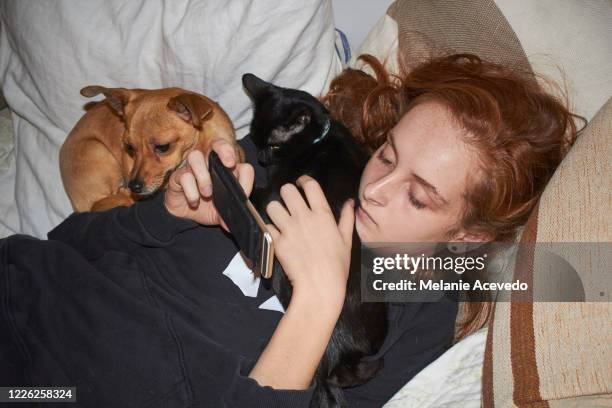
(173, 182)
(347, 222)
(190, 188)
(314, 193)
(199, 168)
(225, 150)
(293, 199)
(278, 214)
(246, 177)
(274, 232)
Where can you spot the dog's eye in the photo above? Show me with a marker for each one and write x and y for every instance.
(162, 148)
(129, 149)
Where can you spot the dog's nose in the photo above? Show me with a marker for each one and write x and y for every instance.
(136, 186)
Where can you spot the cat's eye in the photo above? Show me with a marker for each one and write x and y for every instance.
(162, 148)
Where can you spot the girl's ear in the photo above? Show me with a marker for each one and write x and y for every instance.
(475, 237)
(466, 241)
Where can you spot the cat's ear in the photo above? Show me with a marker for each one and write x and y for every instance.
(255, 86)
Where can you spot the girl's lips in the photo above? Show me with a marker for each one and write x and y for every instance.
(363, 214)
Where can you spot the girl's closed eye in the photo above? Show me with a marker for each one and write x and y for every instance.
(416, 203)
(383, 158)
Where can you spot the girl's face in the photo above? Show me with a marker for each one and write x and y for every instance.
(412, 188)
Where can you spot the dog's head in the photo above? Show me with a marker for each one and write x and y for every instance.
(285, 121)
(161, 126)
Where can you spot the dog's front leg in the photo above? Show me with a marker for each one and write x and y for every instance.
(123, 197)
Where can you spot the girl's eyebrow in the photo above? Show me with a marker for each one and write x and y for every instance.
(431, 188)
(419, 179)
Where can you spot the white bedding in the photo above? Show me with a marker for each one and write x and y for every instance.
(453, 380)
(50, 50)
(6, 139)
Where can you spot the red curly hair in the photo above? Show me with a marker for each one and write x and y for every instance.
(521, 132)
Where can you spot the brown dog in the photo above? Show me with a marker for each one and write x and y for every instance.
(126, 146)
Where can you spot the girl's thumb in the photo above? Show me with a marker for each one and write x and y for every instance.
(347, 221)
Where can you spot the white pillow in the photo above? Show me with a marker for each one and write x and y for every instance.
(452, 380)
(50, 50)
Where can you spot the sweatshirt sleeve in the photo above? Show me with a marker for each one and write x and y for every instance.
(145, 223)
(246, 392)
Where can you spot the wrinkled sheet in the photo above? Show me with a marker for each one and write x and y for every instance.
(453, 380)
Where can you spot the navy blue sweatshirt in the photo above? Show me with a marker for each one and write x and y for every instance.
(135, 306)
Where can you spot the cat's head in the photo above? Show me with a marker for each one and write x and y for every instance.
(285, 121)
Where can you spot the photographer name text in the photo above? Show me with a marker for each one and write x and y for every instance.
(408, 285)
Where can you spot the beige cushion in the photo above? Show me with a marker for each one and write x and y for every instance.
(413, 31)
(560, 353)
(437, 27)
(382, 42)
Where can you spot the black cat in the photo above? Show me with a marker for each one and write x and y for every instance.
(294, 135)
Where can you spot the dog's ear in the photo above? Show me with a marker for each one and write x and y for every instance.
(192, 108)
(117, 98)
(255, 86)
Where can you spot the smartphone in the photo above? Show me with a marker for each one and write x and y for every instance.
(241, 217)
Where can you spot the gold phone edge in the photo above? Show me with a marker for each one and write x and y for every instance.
(267, 247)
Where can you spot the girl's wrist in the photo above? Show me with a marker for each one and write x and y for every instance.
(325, 305)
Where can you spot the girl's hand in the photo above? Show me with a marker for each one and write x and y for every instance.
(313, 250)
(189, 191)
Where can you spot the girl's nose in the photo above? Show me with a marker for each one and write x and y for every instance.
(377, 192)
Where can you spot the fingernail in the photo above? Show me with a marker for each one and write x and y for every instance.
(207, 190)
